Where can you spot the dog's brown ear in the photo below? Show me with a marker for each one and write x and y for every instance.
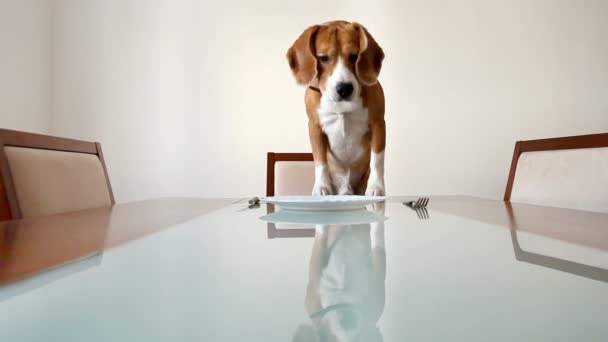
(370, 57)
(301, 56)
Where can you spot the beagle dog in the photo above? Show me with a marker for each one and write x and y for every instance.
(339, 62)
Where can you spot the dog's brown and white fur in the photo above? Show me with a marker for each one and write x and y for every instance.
(346, 118)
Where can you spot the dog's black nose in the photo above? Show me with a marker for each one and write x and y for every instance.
(344, 89)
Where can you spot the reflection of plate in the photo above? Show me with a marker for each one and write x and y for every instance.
(324, 217)
(323, 203)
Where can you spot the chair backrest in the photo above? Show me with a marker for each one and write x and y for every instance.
(43, 175)
(568, 172)
(289, 174)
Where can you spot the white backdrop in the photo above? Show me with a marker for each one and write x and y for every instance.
(25, 65)
(188, 96)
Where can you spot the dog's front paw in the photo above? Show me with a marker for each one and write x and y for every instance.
(375, 187)
(322, 189)
(322, 185)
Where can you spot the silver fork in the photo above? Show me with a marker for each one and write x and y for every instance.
(422, 202)
(419, 207)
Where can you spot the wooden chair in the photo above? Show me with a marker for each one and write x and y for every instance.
(43, 175)
(568, 172)
(289, 174)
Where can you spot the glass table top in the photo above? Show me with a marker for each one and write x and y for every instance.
(463, 270)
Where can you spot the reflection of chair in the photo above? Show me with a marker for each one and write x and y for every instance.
(43, 175)
(35, 245)
(587, 271)
(274, 232)
(569, 172)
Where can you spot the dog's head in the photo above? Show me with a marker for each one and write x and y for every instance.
(338, 57)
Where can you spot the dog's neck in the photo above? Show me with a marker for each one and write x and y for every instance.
(315, 89)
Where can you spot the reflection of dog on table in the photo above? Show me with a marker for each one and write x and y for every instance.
(345, 293)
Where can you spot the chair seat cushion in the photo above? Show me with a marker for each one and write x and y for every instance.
(575, 179)
(49, 182)
(294, 177)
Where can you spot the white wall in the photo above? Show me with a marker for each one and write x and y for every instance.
(186, 97)
(25, 64)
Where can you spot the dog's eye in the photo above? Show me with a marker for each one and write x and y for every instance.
(323, 59)
(353, 57)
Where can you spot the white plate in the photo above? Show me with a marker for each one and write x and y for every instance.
(323, 203)
(350, 217)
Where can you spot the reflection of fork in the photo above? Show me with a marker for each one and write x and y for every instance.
(419, 207)
(422, 213)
